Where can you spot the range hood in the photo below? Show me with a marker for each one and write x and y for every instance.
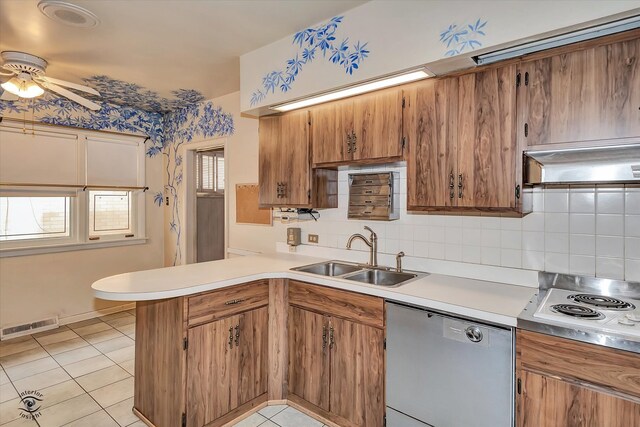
(599, 165)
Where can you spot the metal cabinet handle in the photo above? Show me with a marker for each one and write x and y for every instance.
(237, 335)
(331, 340)
(451, 186)
(231, 337)
(348, 143)
(324, 336)
(281, 189)
(460, 186)
(354, 140)
(234, 301)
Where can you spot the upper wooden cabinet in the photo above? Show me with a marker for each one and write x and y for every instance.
(461, 135)
(284, 173)
(361, 129)
(591, 94)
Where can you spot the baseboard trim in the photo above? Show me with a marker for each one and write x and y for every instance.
(142, 417)
(97, 313)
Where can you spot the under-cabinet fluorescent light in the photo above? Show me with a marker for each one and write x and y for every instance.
(355, 90)
(561, 40)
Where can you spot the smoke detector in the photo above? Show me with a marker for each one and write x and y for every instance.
(68, 14)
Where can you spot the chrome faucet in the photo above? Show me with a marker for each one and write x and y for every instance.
(399, 262)
(372, 243)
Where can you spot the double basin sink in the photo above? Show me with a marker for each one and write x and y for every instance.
(359, 273)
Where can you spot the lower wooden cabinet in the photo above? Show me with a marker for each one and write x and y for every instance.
(226, 365)
(568, 383)
(202, 360)
(336, 354)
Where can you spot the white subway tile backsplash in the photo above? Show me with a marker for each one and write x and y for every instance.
(632, 225)
(610, 225)
(533, 260)
(610, 246)
(510, 239)
(582, 223)
(582, 265)
(533, 241)
(582, 230)
(610, 268)
(632, 247)
(556, 262)
(511, 258)
(610, 202)
(582, 244)
(632, 270)
(556, 242)
(582, 201)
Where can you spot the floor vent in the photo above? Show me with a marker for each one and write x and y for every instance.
(28, 328)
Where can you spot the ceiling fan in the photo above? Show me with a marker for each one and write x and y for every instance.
(28, 80)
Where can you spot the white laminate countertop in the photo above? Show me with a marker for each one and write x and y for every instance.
(489, 301)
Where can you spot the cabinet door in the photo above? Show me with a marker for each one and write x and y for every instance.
(284, 160)
(378, 125)
(212, 372)
(331, 130)
(487, 158)
(584, 95)
(549, 402)
(252, 346)
(357, 372)
(430, 126)
(309, 356)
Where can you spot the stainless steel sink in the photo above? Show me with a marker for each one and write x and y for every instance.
(381, 277)
(330, 268)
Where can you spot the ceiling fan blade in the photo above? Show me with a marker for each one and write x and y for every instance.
(7, 74)
(8, 96)
(72, 96)
(83, 88)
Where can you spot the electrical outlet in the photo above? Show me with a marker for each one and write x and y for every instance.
(313, 238)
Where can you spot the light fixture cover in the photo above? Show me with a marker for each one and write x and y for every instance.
(394, 80)
(22, 88)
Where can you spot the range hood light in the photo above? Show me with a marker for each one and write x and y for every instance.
(561, 40)
(355, 90)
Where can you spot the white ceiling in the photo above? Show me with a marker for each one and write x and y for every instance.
(162, 45)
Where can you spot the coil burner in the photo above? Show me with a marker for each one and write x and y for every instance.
(602, 301)
(577, 311)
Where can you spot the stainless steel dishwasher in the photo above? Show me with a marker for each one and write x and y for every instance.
(443, 371)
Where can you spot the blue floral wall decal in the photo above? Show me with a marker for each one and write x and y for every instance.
(130, 94)
(197, 121)
(457, 39)
(311, 43)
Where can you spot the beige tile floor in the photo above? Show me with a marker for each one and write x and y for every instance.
(84, 372)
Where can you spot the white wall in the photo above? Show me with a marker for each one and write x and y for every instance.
(404, 34)
(59, 284)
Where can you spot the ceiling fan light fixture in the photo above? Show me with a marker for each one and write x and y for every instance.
(68, 14)
(24, 88)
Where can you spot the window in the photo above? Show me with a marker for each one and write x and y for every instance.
(110, 213)
(24, 218)
(66, 189)
(210, 171)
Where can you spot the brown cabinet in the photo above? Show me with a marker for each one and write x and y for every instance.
(284, 173)
(205, 356)
(589, 94)
(336, 354)
(362, 129)
(462, 144)
(569, 383)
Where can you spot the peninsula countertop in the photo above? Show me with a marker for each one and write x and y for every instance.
(483, 300)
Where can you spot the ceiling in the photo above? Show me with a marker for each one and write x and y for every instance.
(161, 46)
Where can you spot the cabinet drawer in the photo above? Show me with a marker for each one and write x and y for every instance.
(366, 200)
(370, 190)
(586, 363)
(215, 305)
(349, 305)
(370, 212)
